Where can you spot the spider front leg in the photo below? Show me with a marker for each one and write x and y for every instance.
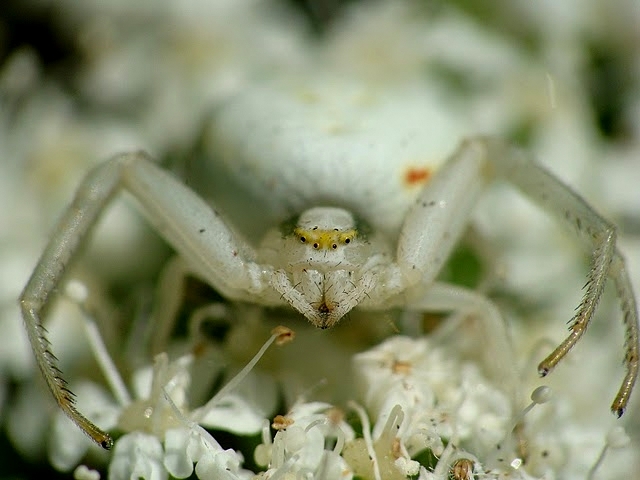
(431, 230)
(491, 159)
(595, 232)
(196, 232)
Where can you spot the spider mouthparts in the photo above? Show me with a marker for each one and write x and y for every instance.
(324, 309)
(327, 320)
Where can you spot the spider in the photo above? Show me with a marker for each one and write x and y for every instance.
(359, 222)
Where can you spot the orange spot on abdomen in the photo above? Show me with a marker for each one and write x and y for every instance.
(416, 176)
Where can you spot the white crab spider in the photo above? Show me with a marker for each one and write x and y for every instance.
(357, 236)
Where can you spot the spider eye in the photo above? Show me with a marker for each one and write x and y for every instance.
(334, 246)
(315, 245)
(303, 239)
(347, 240)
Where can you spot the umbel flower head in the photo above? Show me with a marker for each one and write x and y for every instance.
(163, 437)
(417, 410)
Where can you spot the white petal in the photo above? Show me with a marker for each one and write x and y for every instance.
(82, 472)
(137, 456)
(219, 466)
(234, 414)
(176, 459)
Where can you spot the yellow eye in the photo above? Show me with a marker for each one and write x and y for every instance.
(303, 239)
(348, 236)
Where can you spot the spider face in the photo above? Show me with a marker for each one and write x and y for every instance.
(320, 260)
(325, 238)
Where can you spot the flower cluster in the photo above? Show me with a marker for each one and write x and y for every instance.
(369, 402)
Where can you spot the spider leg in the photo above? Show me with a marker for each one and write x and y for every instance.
(431, 230)
(169, 295)
(498, 346)
(195, 230)
(439, 216)
(599, 236)
(435, 222)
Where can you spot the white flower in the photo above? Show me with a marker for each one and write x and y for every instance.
(160, 413)
(185, 447)
(425, 398)
(138, 455)
(300, 446)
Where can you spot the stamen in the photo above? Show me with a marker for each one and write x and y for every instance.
(277, 452)
(281, 422)
(266, 433)
(193, 427)
(79, 294)
(262, 453)
(366, 433)
(340, 439)
(280, 335)
(445, 459)
(281, 472)
(391, 427)
(540, 395)
(616, 438)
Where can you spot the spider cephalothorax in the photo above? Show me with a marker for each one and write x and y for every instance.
(325, 262)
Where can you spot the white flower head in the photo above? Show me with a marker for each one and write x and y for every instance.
(162, 435)
(164, 412)
(302, 444)
(425, 400)
(438, 395)
(191, 445)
